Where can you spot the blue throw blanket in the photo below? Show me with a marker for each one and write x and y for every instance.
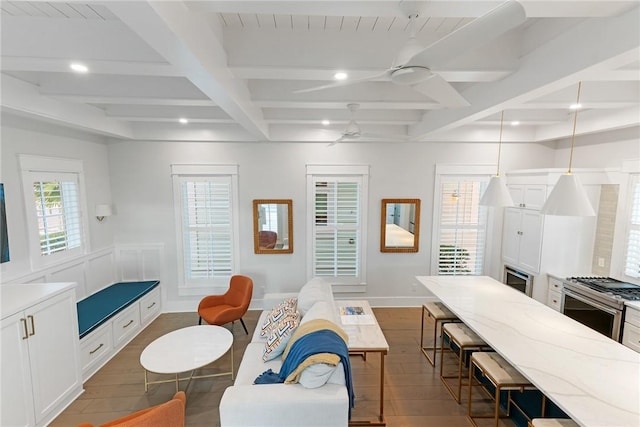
(322, 341)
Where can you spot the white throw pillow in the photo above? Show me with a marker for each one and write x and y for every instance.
(313, 291)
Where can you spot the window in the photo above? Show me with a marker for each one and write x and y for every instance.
(55, 208)
(632, 256)
(460, 223)
(206, 210)
(337, 200)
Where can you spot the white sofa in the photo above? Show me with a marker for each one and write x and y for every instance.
(248, 404)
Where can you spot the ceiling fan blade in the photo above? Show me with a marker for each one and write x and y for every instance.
(441, 91)
(341, 83)
(475, 34)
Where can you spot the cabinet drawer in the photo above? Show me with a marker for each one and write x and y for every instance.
(554, 300)
(95, 348)
(631, 336)
(555, 285)
(125, 325)
(149, 306)
(632, 316)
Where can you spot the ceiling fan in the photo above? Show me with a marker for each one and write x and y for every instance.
(414, 63)
(353, 131)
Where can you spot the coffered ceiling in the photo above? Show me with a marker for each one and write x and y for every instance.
(238, 70)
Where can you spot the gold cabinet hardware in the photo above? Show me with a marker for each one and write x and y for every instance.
(24, 328)
(33, 325)
(96, 349)
(127, 325)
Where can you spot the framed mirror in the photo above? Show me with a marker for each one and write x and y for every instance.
(400, 225)
(273, 226)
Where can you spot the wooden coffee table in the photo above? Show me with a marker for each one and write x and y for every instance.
(365, 336)
(185, 350)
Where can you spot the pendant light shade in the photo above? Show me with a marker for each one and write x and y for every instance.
(568, 197)
(497, 194)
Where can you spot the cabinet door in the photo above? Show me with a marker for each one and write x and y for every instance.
(54, 352)
(530, 240)
(16, 404)
(535, 196)
(517, 194)
(511, 236)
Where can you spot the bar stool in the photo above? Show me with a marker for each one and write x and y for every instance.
(552, 422)
(467, 341)
(441, 315)
(503, 377)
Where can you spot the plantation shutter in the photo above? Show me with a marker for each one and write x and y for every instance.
(337, 227)
(462, 228)
(57, 212)
(632, 264)
(207, 228)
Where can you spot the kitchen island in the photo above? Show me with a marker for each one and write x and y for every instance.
(592, 378)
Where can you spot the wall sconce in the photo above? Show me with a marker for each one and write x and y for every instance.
(455, 196)
(103, 210)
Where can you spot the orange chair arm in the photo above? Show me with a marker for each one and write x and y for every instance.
(211, 301)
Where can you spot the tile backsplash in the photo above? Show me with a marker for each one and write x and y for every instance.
(601, 263)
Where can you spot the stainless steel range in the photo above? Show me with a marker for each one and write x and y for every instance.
(598, 302)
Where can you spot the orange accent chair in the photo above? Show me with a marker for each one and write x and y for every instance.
(267, 239)
(229, 307)
(168, 414)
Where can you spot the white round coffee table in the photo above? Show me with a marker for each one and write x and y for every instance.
(185, 350)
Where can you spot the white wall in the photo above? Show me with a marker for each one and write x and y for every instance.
(136, 177)
(141, 185)
(21, 136)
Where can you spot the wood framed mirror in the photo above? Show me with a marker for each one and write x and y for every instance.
(400, 225)
(273, 226)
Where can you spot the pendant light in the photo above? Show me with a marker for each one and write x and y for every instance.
(568, 197)
(497, 195)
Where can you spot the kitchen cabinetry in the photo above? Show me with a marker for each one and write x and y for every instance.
(631, 328)
(40, 352)
(529, 196)
(522, 238)
(554, 295)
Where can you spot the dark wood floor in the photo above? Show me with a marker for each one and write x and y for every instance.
(414, 395)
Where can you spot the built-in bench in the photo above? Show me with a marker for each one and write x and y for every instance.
(111, 317)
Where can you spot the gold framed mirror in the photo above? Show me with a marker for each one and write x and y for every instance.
(273, 226)
(400, 225)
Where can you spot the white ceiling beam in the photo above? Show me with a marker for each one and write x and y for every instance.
(61, 65)
(24, 99)
(593, 45)
(381, 105)
(187, 41)
(170, 119)
(92, 99)
(292, 73)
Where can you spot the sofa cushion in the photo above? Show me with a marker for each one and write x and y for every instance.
(276, 314)
(279, 336)
(320, 310)
(313, 291)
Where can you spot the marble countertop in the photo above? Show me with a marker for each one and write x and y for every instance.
(634, 304)
(594, 379)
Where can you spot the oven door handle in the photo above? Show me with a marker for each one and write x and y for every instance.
(591, 302)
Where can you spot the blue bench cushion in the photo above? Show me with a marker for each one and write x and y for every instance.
(96, 309)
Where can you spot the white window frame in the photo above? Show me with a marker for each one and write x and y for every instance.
(631, 227)
(38, 168)
(340, 284)
(181, 173)
(443, 171)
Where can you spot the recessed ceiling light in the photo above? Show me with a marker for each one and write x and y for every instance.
(340, 75)
(575, 106)
(515, 123)
(183, 120)
(79, 68)
(326, 122)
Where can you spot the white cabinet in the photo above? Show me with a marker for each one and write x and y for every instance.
(522, 239)
(528, 196)
(40, 353)
(554, 295)
(631, 329)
